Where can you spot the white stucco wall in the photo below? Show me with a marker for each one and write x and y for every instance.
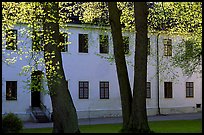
(91, 67)
(178, 103)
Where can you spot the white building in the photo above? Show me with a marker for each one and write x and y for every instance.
(89, 69)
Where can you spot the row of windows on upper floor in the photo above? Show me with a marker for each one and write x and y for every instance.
(83, 90)
(37, 43)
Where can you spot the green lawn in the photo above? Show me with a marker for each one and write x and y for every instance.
(173, 126)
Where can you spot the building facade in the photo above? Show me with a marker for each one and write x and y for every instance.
(91, 74)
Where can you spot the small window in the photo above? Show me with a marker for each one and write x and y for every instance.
(126, 44)
(167, 47)
(11, 39)
(37, 41)
(83, 89)
(148, 47)
(198, 105)
(189, 47)
(11, 90)
(104, 47)
(104, 90)
(64, 42)
(168, 89)
(148, 90)
(83, 43)
(189, 89)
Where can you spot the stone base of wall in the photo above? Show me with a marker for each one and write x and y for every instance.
(152, 111)
(118, 113)
(99, 113)
(176, 110)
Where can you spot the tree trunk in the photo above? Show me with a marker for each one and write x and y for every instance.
(138, 122)
(64, 113)
(123, 79)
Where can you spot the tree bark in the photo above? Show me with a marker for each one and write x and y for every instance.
(138, 122)
(64, 113)
(122, 73)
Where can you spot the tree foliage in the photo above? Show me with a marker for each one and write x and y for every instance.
(183, 18)
(48, 18)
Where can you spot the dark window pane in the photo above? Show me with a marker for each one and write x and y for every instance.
(37, 41)
(81, 84)
(167, 47)
(11, 90)
(189, 47)
(83, 43)
(168, 89)
(11, 39)
(63, 42)
(104, 90)
(83, 89)
(104, 47)
(126, 44)
(148, 95)
(85, 84)
(189, 89)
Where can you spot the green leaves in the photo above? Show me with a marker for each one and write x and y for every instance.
(188, 57)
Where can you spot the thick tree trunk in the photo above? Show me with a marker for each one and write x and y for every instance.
(138, 122)
(123, 79)
(64, 113)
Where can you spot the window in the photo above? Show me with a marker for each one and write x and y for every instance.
(167, 47)
(37, 43)
(36, 80)
(11, 90)
(83, 89)
(189, 47)
(104, 48)
(104, 90)
(148, 90)
(198, 105)
(83, 43)
(11, 39)
(126, 44)
(148, 47)
(168, 89)
(189, 89)
(64, 42)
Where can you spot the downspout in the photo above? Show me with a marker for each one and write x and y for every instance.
(158, 106)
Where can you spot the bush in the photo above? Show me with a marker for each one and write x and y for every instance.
(11, 123)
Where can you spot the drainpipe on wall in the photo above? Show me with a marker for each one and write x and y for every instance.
(158, 74)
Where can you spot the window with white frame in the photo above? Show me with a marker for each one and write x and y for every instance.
(37, 41)
(168, 89)
(11, 90)
(167, 47)
(189, 89)
(126, 44)
(104, 90)
(83, 43)
(83, 89)
(148, 85)
(11, 39)
(104, 44)
(64, 42)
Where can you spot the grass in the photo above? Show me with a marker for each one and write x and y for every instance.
(177, 126)
(172, 126)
